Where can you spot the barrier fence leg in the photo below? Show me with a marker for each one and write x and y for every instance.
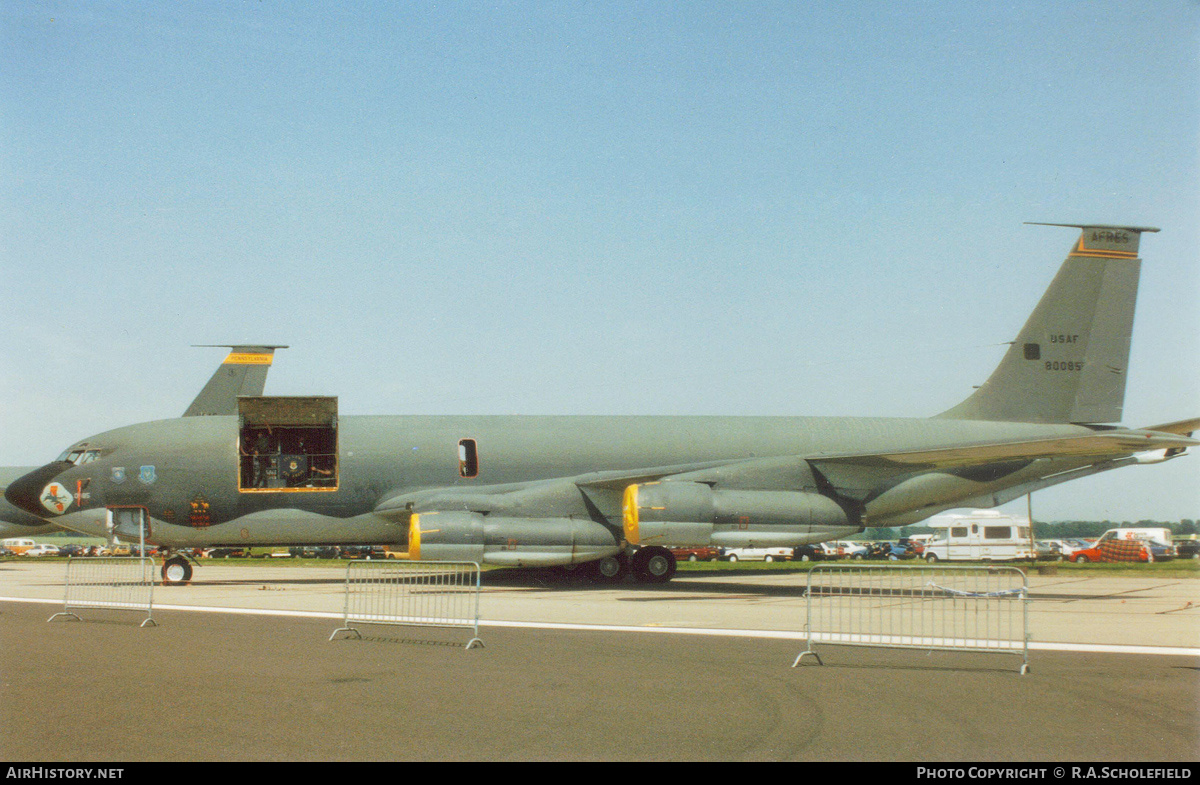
(806, 652)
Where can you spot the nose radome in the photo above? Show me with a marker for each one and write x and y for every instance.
(26, 492)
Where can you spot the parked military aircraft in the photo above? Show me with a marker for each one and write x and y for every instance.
(613, 491)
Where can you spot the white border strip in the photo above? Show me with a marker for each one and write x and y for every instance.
(789, 635)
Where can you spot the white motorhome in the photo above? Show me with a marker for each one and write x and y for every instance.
(980, 535)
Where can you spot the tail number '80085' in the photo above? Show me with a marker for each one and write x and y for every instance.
(1057, 365)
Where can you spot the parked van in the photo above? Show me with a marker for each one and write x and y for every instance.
(980, 535)
(18, 545)
(1160, 535)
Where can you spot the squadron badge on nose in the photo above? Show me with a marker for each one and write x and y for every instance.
(55, 498)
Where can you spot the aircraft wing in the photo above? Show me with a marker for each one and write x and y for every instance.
(889, 486)
(527, 497)
(550, 496)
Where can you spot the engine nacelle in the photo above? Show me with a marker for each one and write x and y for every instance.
(693, 513)
(516, 542)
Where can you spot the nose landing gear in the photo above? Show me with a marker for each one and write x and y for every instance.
(176, 571)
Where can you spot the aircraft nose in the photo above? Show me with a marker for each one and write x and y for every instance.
(25, 492)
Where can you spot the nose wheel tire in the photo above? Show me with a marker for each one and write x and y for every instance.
(176, 571)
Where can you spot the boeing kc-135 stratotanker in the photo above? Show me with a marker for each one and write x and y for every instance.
(612, 492)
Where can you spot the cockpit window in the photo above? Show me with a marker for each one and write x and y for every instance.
(79, 456)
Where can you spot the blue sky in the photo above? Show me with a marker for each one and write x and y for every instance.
(598, 208)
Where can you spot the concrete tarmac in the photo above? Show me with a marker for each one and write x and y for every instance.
(571, 672)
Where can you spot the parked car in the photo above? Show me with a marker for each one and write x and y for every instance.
(810, 552)
(42, 549)
(364, 552)
(225, 553)
(1048, 550)
(1072, 546)
(701, 553)
(891, 551)
(850, 550)
(1122, 545)
(72, 549)
(1111, 549)
(1187, 549)
(1162, 551)
(756, 554)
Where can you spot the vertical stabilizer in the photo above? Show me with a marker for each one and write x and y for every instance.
(1069, 362)
(244, 372)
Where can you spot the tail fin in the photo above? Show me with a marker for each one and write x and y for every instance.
(244, 372)
(1068, 363)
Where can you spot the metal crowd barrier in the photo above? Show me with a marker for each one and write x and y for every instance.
(110, 582)
(983, 609)
(426, 594)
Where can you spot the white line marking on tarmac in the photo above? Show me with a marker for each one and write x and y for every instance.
(1099, 648)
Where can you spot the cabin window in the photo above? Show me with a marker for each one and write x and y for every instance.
(997, 532)
(468, 458)
(287, 444)
(958, 531)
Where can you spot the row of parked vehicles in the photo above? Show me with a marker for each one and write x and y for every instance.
(821, 551)
(21, 546)
(981, 536)
(27, 547)
(990, 541)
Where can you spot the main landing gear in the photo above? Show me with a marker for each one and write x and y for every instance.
(652, 564)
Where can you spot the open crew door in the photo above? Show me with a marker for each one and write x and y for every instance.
(287, 444)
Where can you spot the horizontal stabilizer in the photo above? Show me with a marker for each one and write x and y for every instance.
(1182, 427)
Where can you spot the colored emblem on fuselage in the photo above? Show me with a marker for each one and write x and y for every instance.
(118, 474)
(199, 514)
(55, 498)
(147, 475)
